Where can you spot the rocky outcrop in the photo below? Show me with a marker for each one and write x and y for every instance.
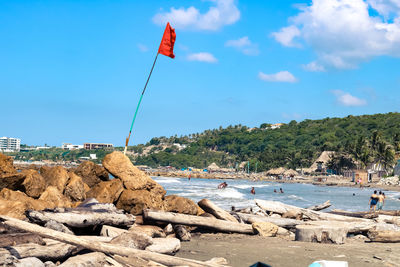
(265, 228)
(174, 203)
(6, 165)
(55, 176)
(140, 191)
(12, 181)
(33, 184)
(15, 209)
(17, 196)
(134, 201)
(75, 189)
(91, 173)
(106, 192)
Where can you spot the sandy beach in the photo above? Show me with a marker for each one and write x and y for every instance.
(244, 250)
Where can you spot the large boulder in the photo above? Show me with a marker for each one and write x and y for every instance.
(265, 228)
(121, 167)
(174, 203)
(15, 209)
(12, 181)
(54, 197)
(6, 165)
(91, 173)
(75, 189)
(106, 192)
(134, 201)
(55, 176)
(33, 184)
(17, 196)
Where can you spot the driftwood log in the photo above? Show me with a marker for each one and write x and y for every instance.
(322, 206)
(320, 234)
(165, 245)
(80, 218)
(384, 236)
(182, 233)
(207, 222)
(365, 215)
(210, 207)
(101, 247)
(90, 259)
(281, 208)
(282, 222)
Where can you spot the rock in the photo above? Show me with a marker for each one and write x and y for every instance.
(168, 229)
(53, 196)
(87, 260)
(394, 180)
(75, 189)
(91, 173)
(165, 245)
(15, 209)
(55, 176)
(111, 231)
(12, 181)
(174, 203)
(32, 204)
(132, 240)
(275, 215)
(134, 201)
(182, 232)
(6, 165)
(150, 230)
(29, 262)
(292, 214)
(49, 264)
(121, 167)
(34, 184)
(106, 192)
(265, 228)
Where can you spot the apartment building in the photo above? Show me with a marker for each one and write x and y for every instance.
(97, 146)
(10, 144)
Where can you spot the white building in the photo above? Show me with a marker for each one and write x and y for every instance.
(68, 146)
(9, 144)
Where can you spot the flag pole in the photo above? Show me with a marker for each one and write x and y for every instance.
(137, 107)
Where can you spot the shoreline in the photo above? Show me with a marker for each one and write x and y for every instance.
(325, 180)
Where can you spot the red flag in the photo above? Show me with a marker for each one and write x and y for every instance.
(167, 43)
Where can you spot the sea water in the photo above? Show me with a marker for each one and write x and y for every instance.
(238, 194)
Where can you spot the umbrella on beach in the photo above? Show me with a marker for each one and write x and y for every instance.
(276, 171)
(290, 172)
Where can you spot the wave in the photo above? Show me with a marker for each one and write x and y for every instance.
(167, 180)
(246, 186)
(229, 193)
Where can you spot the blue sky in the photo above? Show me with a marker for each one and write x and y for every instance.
(73, 71)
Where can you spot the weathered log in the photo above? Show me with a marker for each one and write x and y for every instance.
(282, 222)
(279, 207)
(384, 236)
(350, 227)
(111, 231)
(89, 259)
(320, 234)
(182, 233)
(365, 215)
(53, 250)
(101, 247)
(20, 238)
(132, 240)
(210, 207)
(210, 223)
(81, 218)
(165, 245)
(322, 206)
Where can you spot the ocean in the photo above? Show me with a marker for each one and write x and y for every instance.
(302, 195)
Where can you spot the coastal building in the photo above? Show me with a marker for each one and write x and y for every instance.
(276, 125)
(10, 144)
(68, 146)
(320, 164)
(97, 146)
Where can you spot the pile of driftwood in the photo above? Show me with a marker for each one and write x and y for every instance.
(95, 234)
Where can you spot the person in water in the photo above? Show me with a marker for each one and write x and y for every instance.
(281, 191)
(373, 201)
(275, 191)
(190, 175)
(253, 191)
(222, 185)
(381, 200)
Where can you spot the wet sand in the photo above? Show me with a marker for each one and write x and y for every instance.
(244, 250)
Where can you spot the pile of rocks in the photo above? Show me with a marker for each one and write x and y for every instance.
(394, 180)
(51, 187)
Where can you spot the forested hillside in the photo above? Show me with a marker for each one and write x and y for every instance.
(365, 139)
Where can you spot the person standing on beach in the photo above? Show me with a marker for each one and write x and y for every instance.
(373, 201)
(253, 191)
(381, 200)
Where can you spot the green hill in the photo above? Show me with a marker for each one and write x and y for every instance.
(367, 138)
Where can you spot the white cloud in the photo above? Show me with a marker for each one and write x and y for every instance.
(343, 33)
(313, 66)
(287, 35)
(143, 48)
(282, 76)
(224, 12)
(347, 99)
(244, 45)
(202, 57)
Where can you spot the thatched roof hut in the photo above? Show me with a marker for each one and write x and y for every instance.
(276, 171)
(213, 167)
(290, 173)
(323, 158)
